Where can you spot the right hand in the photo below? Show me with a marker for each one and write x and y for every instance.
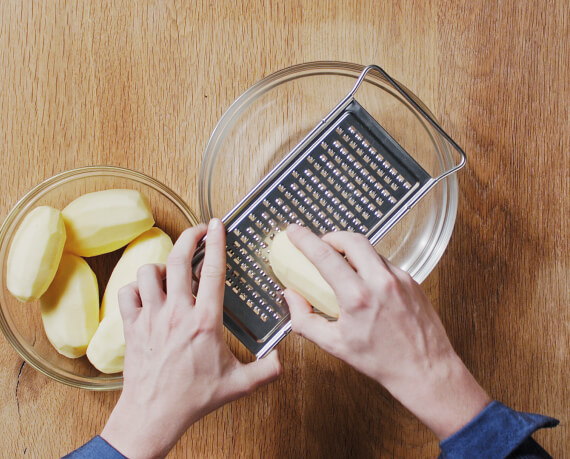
(387, 329)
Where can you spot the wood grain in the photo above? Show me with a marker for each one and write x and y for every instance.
(141, 84)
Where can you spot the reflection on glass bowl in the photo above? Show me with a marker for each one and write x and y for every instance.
(270, 118)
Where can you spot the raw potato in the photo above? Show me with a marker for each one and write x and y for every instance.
(35, 253)
(106, 351)
(295, 271)
(104, 221)
(70, 307)
(153, 246)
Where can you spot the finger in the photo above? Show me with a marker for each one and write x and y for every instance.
(248, 377)
(392, 267)
(358, 251)
(179, 264)
(312, 326)
(331, 264)
(129, 303)
(150, 280)
(213, 274)
(400, 273)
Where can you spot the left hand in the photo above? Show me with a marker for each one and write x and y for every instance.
(178, 367)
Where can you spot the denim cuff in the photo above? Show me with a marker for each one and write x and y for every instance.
(96, 448)
(495, 432)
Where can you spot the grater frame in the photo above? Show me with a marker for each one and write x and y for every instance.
(241, 324)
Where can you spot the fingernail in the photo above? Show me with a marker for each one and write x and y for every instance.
(215, 223)
(293, 227)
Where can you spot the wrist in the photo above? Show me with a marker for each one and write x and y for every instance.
(445, 396)
(133, 430)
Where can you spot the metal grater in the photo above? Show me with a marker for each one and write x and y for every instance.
(347, 174)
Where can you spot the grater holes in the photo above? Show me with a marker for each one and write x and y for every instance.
(341, 178)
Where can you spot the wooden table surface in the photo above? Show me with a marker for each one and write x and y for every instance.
(141, 84)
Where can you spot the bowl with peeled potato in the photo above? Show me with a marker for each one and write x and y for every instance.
(67, 247)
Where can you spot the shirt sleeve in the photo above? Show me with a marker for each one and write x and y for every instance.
(96, 448)
(498, 432)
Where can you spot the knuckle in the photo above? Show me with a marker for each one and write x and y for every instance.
(174, 317)
(126, 291)
(393, 285)
(322, 252)
(361, 296)
(357, 237)
(212, 271)
(146, 270)
(204, 322)
(177, 259)
(297, 325)
(193, 233)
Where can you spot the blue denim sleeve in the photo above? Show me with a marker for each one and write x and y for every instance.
(498, 432)
(96, 448)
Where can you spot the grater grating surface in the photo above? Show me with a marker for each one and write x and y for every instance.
(348, 174)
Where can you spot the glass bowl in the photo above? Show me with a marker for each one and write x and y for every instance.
(272, 116)
(21, 322)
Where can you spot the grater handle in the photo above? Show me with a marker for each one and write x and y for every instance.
(427, 116)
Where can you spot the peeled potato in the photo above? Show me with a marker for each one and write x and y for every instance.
(35, 253)
(70, 307)
(106, 351)
(153, 246)
(295, 271)
(104, 221)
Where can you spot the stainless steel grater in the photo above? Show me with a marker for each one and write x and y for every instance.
(347, 174)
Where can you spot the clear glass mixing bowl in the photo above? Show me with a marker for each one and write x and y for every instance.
(272, 116)
(21, 323)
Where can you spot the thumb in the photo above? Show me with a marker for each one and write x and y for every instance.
(250, 376)
(306, 323)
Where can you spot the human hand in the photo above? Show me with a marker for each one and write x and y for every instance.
(177, 366)
(387, 329)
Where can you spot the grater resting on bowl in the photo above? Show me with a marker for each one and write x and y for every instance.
(347, 174)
